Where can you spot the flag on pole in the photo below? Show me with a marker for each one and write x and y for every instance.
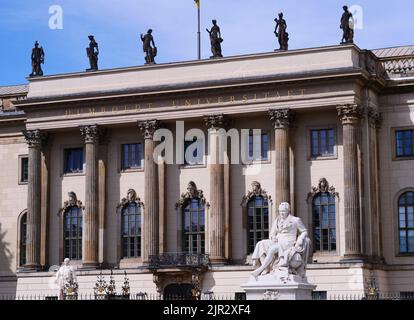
(197, 2)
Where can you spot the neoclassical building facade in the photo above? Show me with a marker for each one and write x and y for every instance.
(79, 180)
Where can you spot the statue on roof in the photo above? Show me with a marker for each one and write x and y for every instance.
(38, 58)
(280, 32)
(216, 40)
(347, 26)
(92, 52)
(150, 51)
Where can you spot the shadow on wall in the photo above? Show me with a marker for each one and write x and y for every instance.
(8, 281)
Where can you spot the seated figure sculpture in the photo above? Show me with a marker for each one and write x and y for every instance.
(287, 250)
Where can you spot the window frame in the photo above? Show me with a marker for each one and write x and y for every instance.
(406, 229)
(269, 145)
(394, 130)
(328, 204)
(121, 157)
(203, 164)
(20, 170)
(309, 131)
(137, 236)
(191, 233)
(79, 249)
(19, 263)
(255, 230)
(63, 153)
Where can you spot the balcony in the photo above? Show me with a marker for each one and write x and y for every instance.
(179, 260)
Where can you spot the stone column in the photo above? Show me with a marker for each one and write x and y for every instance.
(90, 249)
(45, 203)
(217, 218)
(350, 116)
(34, 139)
(282, 120)
(103, 162)
(150, 236)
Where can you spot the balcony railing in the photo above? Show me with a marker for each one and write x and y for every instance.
(179, 260)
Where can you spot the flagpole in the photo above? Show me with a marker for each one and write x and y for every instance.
(199, 33)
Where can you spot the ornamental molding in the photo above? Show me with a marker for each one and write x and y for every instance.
(256, 191)
(192, 193)
(282, 118)
(323, 187)
(149, 127)
(350, 113)
(130, 198)
(35, 138)
(215, 121)
(72, 202)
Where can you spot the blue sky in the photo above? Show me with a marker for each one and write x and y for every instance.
(247, 27)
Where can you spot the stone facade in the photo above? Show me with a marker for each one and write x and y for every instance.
(285, 94)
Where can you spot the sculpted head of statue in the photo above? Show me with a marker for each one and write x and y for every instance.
(192, 189)
(73, 199)
(256, 187)
(66, 262)
(131, 195)
(284, 210)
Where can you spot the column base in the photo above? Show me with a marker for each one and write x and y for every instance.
(218, 261)
(353, 258)
(31, 268)
(90, 265)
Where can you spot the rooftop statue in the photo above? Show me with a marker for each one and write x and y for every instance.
(151, 52)
(92, 52)
(216, 40)
(38, 58)
(347, 26)
(280, 32)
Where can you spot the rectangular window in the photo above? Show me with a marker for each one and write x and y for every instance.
(74, 160)
(404, 143)
(197, 156)
(264, 146)
(24, 169)
(322, 143)
(132, 156)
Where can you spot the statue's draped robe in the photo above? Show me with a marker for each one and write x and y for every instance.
(285, 232)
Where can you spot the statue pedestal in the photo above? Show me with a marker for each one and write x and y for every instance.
(278, 286)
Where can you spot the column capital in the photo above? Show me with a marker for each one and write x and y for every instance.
(90, 133)
(350, 113)
(35, 138)
(215, 121)
(149, 127)
(374, 118)
(282, 118)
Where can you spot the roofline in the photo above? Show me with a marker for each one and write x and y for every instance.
(192, 62)
(185, 89)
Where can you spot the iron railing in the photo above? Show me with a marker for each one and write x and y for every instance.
(208, 296)
(179, 260)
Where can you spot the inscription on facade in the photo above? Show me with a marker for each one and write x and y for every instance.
(193, 102)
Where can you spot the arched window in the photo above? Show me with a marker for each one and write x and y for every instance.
(256, 210)
(131, 231)
(72, 230)
(23, 239)
(324, 216)
(324, 222)
(194, 227)
(406, 222)
(193, 207)
(258, 219)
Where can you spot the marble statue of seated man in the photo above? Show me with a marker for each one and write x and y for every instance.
(287, 248)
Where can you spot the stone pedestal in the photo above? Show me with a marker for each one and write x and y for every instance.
(278, 287)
